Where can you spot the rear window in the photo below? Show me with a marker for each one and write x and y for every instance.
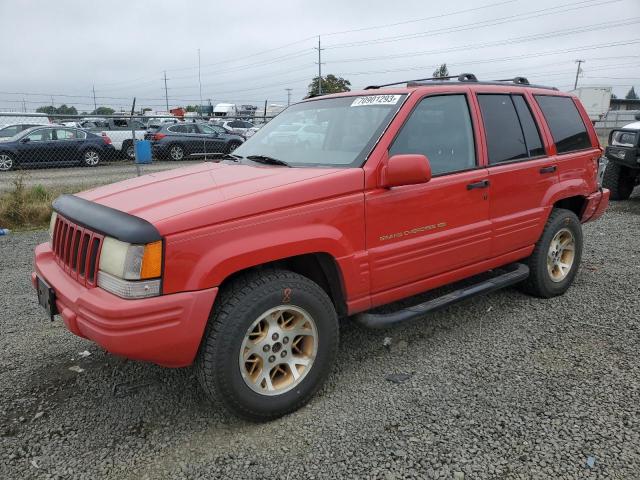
(567, 128)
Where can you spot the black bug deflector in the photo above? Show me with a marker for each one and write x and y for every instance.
(106, 220)
(512, 274)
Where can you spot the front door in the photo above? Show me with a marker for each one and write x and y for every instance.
(37, 148)
(415, 232)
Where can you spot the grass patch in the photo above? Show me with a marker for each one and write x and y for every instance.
(26, 208)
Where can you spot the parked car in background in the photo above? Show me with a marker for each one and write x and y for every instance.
(177, 142)
(12, 118)
(154, 123)
(622, 173)
(55, 146)
(240, 127)
(9, 131)
(119, 131)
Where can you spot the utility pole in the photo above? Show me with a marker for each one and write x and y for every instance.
(319, 48)
(95, 105)
(200, 84)
(579, 62)
(166, 94)
(288, 96)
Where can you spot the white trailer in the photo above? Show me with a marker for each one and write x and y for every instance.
(596, 100)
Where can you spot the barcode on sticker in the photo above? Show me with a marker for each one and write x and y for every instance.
(376, 100)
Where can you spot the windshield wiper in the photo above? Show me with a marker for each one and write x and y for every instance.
(229, 156)
(268, 160)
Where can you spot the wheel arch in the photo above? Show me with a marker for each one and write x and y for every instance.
(319, 267)
(576, 204)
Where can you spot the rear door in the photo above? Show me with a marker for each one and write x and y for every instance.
(520, 171)
(66, 146)
(416, 232)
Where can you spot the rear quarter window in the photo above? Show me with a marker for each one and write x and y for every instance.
(567, 128)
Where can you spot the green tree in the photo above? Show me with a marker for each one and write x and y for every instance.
(191, 108)
(64, 110)
(103, 111)
(441, 72)
(330, 84)
(49, 110)
(632, 95)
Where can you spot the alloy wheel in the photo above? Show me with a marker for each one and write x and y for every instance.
(91, 158)
(176, 152)
(561, 255)
(278, 350)
(6, 162)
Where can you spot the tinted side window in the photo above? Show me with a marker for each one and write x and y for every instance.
(10, 131)
(440, 128)
(531, 132)
(567, 128)
(505, 140)
(178, 129)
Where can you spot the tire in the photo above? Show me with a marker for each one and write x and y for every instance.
(546, 278)
(6, 162)
(240, 319)
(91, 158)
(176, 152)
(231, 146)
(619, 180)
(128, 150)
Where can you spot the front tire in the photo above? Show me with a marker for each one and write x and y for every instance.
(555, 260)
(270, 344)
(6, 162)
(619, 180)
(128, 149)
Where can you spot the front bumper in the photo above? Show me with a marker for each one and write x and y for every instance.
(165, 330)
(627, 156)
(595, 206)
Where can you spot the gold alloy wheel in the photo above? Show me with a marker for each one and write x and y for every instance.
(278, 350)
(562, 252)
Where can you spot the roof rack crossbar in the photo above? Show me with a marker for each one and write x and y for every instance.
(516, 80)
(463, 77)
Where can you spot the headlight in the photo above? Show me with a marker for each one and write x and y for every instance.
(52, 225)
(130, 271)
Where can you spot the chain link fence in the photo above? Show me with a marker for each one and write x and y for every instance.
(37, 141)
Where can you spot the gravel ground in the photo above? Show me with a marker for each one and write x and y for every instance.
(75, 176)
(503, 386)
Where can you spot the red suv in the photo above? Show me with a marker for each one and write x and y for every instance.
(245, 266)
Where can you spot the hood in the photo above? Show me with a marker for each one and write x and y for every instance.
(210, 193)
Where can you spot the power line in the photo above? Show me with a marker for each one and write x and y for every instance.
(480, 24)
(523, 39)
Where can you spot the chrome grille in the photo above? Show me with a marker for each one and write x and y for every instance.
(77, 250)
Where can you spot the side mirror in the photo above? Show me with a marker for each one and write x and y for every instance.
(407, 169)
(25, 140)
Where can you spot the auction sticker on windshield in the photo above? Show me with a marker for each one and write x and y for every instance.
(376, 100)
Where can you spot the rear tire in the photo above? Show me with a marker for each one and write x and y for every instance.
(176, 152)
(6, 162)
(91, 158)
(619, 180)
(128, 150)
(263, 326)
(555, 260)
(233, 145)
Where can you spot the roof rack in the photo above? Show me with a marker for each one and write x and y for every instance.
(463, 78)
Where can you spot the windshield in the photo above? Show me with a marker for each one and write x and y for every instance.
(332, 132)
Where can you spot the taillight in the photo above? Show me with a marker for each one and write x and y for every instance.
(158, 136)
(106, 139)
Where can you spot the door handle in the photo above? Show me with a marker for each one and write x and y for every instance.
(480, 184)
(549, 169)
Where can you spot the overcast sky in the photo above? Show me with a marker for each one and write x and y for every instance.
(253, 50)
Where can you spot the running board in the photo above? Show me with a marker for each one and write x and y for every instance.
(514, 273)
